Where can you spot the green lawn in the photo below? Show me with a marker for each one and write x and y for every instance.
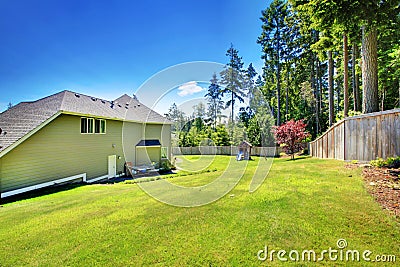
(302, 205)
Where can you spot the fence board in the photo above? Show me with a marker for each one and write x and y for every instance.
(396, 131)
(225, 150)
(379, 137)
(363, 137)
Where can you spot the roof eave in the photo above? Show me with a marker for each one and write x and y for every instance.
(29, 134)
(113, 118)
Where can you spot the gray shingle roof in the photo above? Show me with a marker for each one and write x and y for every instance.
(21, 119)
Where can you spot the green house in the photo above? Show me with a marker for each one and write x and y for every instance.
(70, 136)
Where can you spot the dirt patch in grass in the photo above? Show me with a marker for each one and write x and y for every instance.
(384, 185)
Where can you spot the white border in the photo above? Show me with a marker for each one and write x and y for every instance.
(62, 180)
(96, 179)
(38, 186)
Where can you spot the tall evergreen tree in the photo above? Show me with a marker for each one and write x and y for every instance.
(388, 70)
(233, 79)
(215, 103)
(177, 117)
(328, 16)
(373, 16)
(370, 15)
(355, 78)
(199, 113)
(273, 40)
(250, 75)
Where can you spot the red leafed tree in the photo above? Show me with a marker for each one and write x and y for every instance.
(291, 135)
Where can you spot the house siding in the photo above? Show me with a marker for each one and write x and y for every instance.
(1, 175)
(147, 155)
(59, 150)
(132, 134)
(159, 132)
(166, 139)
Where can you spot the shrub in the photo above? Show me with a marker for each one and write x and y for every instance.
(379, 162)
(166, 165)
(389, 162)
(393, 162)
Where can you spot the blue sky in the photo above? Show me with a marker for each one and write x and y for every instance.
(108, 48)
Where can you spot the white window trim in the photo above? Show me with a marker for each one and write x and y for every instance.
(94, 125)
(105, 126)
(87, 125)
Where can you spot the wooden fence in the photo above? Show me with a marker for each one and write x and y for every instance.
(225, 150)
(364, 138)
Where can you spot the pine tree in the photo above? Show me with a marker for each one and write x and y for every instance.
(250, 82)
(215, 104)
(273, 40)
(344, 16)
(233, 79)
(177, 116)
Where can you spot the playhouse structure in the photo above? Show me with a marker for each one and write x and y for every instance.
(244, 151)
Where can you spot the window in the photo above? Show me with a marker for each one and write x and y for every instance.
(100, 126)
(91, 125)
(97, 126)
(83, 125)
(164, 152)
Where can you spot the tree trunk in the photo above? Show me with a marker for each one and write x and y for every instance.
(317, 84)
(278, 95)
(287, 95)
(370, 70)
(278, 77)
(356, 89)
(345, 75)
(315, 92)
(330, 88)
(338, 96)
(215, 117)
(321, 88)
(338, 92)
(232, 103)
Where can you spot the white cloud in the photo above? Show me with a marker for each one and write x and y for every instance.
(189, 88)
